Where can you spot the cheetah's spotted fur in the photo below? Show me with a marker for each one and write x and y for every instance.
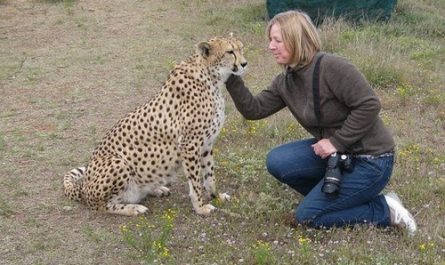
(177, 128)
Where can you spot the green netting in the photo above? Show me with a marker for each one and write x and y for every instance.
(352, 10)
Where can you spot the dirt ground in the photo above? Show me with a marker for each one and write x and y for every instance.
(69, 70)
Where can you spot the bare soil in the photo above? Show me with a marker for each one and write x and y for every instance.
(69, 70)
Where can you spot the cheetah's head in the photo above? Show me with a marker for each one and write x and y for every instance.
(226, 54)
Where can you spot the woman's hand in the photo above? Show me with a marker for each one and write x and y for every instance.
(324, 148)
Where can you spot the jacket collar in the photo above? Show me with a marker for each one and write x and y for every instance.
(295, 68)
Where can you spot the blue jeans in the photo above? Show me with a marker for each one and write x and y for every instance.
(358, 201)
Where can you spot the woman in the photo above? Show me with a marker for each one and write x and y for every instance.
(343, 118)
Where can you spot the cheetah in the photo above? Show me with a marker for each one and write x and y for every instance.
(176, 129)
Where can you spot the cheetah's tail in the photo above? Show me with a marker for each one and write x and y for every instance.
(72, 183)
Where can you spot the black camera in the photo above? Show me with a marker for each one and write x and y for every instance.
(337, 163)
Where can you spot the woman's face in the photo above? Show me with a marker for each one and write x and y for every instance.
(277, 47)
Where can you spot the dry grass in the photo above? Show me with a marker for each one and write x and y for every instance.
(70, 68)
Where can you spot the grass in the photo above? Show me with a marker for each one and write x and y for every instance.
(70, 70)
(139, 236)
(66, 2)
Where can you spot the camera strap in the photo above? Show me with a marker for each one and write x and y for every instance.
(316, 91)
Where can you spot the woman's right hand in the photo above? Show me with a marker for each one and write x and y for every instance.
(324, 148)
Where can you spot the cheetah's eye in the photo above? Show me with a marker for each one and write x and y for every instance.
(231, 52)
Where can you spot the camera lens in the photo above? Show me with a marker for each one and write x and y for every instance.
(329, 188)
(332, 177)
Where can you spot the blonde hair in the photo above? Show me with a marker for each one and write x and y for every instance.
(300, 36)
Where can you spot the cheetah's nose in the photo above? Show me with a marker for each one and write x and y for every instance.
(244, 64)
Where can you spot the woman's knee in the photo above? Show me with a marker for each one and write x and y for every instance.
(303, 216)
(308, 215)
(273, 164)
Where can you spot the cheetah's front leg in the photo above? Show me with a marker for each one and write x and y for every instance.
(207, 164)
(191, 164)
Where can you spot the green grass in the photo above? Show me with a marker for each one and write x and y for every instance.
(66, 2)
(146, 243)
(88, 64)
(404, 62)
(5, 208)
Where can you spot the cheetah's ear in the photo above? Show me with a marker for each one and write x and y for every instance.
(204, 49)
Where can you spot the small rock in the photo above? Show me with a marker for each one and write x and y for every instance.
(67, 208)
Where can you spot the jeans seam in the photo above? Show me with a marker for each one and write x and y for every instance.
(292, 172)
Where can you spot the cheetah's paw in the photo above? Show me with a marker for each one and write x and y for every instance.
(224, 197)
(136, 209)
(161, 191)
(205, 210)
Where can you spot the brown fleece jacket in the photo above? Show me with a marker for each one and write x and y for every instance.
(349, 107)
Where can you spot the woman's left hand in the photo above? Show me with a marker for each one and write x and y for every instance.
(324, 148)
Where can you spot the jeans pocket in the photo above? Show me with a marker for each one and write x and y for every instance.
(378, 166)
